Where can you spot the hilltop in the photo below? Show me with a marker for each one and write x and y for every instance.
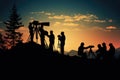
(27, 53)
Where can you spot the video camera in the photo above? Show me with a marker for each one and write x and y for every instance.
(42, 23)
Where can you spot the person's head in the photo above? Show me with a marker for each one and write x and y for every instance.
(82, 44)
(110, 44)
(51, 32)
(99, 45)
(62, 33)
(104, 44)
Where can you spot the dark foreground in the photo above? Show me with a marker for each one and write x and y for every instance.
(29, 53)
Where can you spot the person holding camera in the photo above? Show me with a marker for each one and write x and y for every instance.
(62, 39)
(81, 49)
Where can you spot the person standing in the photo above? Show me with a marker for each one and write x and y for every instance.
(62, 39)
(111, 52)
(81, 49)
(104, 50)
(51, 40)
(31, 31)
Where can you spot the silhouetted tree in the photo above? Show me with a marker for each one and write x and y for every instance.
(12, 36)
(1, 41)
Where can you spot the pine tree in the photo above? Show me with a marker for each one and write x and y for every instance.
(1, 41)
(12, 36)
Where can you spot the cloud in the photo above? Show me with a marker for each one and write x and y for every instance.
(66, 24)
(66, 18)
(99, 21)
(74, 18)
(41, 12)
(78, 18)
(57, 17)
(48, 14)
(57, 23)
(88, 18)
(71, 24)
(111, 28)
(69, 20)
(110, 20)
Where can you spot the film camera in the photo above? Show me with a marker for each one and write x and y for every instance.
(42, 23)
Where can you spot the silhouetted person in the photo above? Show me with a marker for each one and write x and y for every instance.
(100, 52)
(42, 36)
(31, 31)
(81, 50)
(51, 40)
(62, 42)
(104, 50)
(111, 52)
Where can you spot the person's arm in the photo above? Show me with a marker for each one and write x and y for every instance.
(86, 47)
(48, 36)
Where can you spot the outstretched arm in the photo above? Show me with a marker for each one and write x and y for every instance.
(86, 47)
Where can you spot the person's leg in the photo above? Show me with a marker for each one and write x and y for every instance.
(62, 50)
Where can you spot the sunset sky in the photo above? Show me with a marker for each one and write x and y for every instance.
(88, 21)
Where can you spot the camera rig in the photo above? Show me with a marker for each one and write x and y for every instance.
(42, 23)
(36, 26)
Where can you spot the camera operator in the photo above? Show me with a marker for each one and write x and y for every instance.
(31, 31)
(42, 36)
(81, 50)
(62, 42)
